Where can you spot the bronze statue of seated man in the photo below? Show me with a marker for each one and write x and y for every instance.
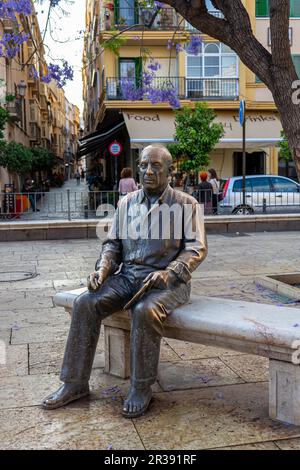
(157, 237)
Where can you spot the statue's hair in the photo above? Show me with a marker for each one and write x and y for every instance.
(161, 149)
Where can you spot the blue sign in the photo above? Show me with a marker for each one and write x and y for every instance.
(242, 112)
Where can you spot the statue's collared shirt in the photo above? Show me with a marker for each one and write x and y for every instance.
(145, 237)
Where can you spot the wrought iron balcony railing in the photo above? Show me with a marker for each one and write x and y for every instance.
(164, 19)
(152, 18)
(216, 13)
(186, 88)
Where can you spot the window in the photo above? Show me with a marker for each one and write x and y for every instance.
(213, 72)
(214, 60)
(262, 8)
(295, 8)
(260, 185)
(284, 186)
(238, 186)
(296, 60)
(128, 68)
(126, 12)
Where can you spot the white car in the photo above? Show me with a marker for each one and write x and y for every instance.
(264, 194)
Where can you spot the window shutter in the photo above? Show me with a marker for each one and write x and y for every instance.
(296, 60)
(262, 8)
(295, 8)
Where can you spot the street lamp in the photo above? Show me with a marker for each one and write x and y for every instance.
(22, 88)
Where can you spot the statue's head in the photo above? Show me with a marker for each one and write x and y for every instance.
(156, 166)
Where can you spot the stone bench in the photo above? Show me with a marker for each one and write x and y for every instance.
(265, 330)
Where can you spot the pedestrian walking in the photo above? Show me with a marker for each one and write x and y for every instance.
(82, 174)
(28, 188)
(214, 181)
(77, 176)
(127, 183)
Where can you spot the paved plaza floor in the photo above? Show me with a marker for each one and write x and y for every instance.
(205, 397)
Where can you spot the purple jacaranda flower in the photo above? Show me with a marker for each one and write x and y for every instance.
(154, 66)
(193, 46)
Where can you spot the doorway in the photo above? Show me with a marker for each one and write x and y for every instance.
(255, 163)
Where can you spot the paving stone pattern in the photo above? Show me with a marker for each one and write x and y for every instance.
(204, 398)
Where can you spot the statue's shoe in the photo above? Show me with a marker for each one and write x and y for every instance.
(141, 411)
(64, 395)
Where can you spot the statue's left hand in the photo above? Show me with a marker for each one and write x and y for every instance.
(161, 279)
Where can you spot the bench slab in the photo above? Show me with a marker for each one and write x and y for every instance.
(265, 330)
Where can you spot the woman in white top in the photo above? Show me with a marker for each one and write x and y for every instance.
(214, 181)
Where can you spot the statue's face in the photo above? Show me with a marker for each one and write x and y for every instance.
(154, 170)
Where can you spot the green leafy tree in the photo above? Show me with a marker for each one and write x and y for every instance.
(284, 148)
(114, 43)
(196, 136)
(42, 159)
(4, 115)
(15, 157)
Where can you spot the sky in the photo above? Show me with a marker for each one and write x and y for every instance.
(66, 28)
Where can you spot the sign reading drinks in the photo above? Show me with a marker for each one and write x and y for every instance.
(115, 148)
(263, 128)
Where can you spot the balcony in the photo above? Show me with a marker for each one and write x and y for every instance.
(32, 79)
(192, 29)
(34, 132)
(34, 112)
(9, 26)
(138, 18)
(15, 110)
(163, 19)
(186, 88)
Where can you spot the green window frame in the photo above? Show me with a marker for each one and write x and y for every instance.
(262, 8)
(138, 67)
(295, 8)
(296, 60)
(117, 12)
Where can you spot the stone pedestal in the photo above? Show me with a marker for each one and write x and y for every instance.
(117, 352)
(284, 392)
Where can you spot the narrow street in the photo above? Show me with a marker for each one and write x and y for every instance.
(54, 204)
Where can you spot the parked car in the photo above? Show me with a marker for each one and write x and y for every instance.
(264, 194)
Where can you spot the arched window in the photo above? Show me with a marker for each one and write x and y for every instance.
(214, 60)
(212, 73)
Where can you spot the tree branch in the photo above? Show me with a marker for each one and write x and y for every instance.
(279, 25)
(234, 30)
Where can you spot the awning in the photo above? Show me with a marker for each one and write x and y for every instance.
(263, 128)
(94, 141)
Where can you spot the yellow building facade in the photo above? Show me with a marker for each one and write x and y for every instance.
(37, 116)
(215, 75)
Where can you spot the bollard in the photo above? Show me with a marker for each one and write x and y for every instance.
(264, 205)
(69, 206)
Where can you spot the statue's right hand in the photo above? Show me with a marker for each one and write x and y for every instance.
(95, 280)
